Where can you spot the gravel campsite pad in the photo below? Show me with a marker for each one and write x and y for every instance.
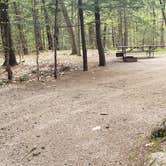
(95, 118)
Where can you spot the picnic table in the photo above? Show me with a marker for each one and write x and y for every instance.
(149, 49)
(124, 50)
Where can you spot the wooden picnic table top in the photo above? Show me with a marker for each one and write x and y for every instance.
(143, 46)
(150, 49)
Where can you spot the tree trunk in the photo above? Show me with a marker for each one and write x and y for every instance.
(104, 35)
(84, 50)
(39, 38)
(143, 40)
(55, 38)
(91, 32)
(78, 36)
(38, 28)
(69, 28)
(102, 61)
(22, 39)
(37, 42)
(120, 29)
(114, 44)
(6, 35)
(125, 29)
(162, 3)
(162, 40)
(154, 27)
(48, 29)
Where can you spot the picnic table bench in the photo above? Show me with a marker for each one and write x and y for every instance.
(123, 50)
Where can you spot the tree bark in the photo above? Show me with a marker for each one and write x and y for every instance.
(78, 36)
(104, 35)
(162, 3)
(69, 28)
(84, 50)
(37, 42)
(120, 29)
(38, 33)
(114, 44)
(154, 27)
(91, 32)
(39, 38)
(22, 39)
(125, 29)
(55, 38)
(102, 61)
(48, 29)
(6, 35)
(162, 39)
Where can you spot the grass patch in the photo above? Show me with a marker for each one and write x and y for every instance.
(161, 50)
(157, 138)
(155, 146)
(160, 130)
(3, 83)
(22, 78)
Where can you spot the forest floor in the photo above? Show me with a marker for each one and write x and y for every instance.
(102, 117)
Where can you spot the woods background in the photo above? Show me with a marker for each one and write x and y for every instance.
(28, 26)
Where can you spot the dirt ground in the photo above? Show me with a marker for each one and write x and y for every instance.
(96, 118)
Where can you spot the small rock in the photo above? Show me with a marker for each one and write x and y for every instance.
(107, 127)
(160, 130)
(62, 73)
(124, 119)
(42, 147)
(3, 128)
(65, 68)
(150, 144)
(36, 154)
(103, 114)
(96, 128)
(156, 159)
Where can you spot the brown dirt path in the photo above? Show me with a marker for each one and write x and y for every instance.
(51, 124)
